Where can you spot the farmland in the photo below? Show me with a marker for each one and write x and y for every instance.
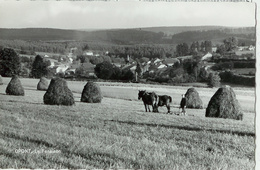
(117, 133)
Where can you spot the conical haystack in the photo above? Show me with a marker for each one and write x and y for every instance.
(193, 99)
(58, 93)
(91, 93)
(224, 104)
(1, 80)
(43, 84)
(15, 87)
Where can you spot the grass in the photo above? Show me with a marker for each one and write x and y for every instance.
(244, 71)
(117, 133)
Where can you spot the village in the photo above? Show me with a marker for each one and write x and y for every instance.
(66, 65)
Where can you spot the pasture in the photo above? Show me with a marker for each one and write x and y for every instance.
(118, 133)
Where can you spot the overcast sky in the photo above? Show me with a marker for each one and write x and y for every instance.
(122, 14)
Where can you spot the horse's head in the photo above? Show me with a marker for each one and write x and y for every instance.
(141, 94)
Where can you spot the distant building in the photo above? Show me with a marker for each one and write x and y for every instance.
(89, 53)
(251, 48)
(206, 56)
(181, 58)
(156, 61)
(61, 68)
(214, 49)
(170, 61)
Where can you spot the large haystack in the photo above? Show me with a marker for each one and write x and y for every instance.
(15, 87)
(58, 93)
(43, 84)
(1, 80)
(193, 99)
(91, 93)
(224, 104)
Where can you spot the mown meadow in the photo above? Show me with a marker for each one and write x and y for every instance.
(118, 133)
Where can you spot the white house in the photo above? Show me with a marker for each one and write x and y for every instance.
(251, 48)
(206, 56)
(214, 49)
(162, 66)
(61, 68)
(89, 53)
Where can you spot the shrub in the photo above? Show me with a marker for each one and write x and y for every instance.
(10, 62)
(193, 99)
(58, 93)
(104, 70)
(224, 104)
(15, 87)
(230, 77)
(91, 93)
(127, 74)
(43, 84)
(39, 67)
(223, 66)
(214, 80)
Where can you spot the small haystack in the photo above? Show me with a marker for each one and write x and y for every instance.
(43, 84)
(58, 93)
(1, 80)
(193, 99)
(224, 104)
(91, 93)
(15, 87)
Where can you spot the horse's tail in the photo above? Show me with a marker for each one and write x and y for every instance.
(170, 99)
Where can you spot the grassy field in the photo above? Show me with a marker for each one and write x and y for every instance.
(245, 71)
(117, 133)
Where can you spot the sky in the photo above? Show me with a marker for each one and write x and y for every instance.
(122, 14)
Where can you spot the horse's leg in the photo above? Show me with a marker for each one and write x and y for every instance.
(169, 108)
(145, 107)
(156, 108)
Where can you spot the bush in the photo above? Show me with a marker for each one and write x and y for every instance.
(91, 93)
(15, 87)
(43, 84)
(223, 66)
(193, 99)
(39, 67)
(230, 77)
(58, 93)
(214, 80)
(10, 62)
(127, 74)
(104, 70)
(224, 104)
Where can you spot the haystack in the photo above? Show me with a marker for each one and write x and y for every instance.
(43, 84)
(15, 87)
(224, 104)
(91, 93)
(1, 80)
(193, 99)
(58, 93)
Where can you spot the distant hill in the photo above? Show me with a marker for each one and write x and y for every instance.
(216, 36)
(132, 36)
(180, 29)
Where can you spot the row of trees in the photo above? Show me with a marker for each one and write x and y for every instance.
(195, 48)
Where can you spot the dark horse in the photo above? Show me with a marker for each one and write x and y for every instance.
(163, 100)
(149, 98)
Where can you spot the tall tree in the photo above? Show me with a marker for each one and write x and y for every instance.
(10, 63)
(202, 46)
(182, 49)
(39, 67)
(138, 71)
(208, 46)
(104, 70)
(230, 43)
